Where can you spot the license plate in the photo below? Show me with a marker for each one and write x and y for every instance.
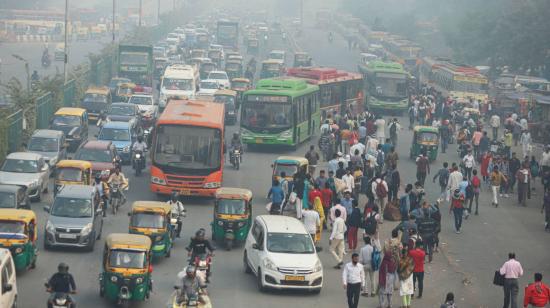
(185, 192)
(259, 140)
(294, 278)
(67, 235)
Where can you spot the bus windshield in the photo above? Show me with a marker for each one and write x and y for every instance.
(177, 84)
(133, 58)
(390, 85)
(470, 87)
(261, 115)
(188, 147)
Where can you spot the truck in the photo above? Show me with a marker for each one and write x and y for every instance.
(135, 62)
(227, 34)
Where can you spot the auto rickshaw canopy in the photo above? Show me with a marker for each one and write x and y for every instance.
(233, 193)
(128, 241)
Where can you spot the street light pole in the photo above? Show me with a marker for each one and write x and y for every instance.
(65, 48)
(113, 26)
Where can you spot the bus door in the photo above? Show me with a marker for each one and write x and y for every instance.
(309, 118)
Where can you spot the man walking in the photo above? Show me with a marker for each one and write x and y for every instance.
(523, 177)
(353, 278)
(537, 294)
(418, 256)
(337, 239)
(313, 158)
(365, 258)
(422, 168)
(495, 124)
(379, 190)
(511, 270)
(443, 176)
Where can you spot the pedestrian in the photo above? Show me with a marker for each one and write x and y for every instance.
(476, 186)
(484, 144)
(511, 270)
(353, 278)
(545, 159)
(494, 122)
(380, 124)
(326, 199)
(537, 294)
(337, 239)
(340, 208)
(347, 203)
(380, 159)
(497, 179)
(395, 127)
(514, 164)
(354, 223)
(419, 256)
(349, 181)
(508, 142)
(277, 197)
(405, 271)
(486, 160)
(333, 164)
(457, 207)
(393, 179)
(392, 157)
(476, 139)
(412, 116)
(523, 177)
(405, 203)
(313, 158)
(386, 279)
(371, 220)
(427, 227)
(449, 301)
(325, 144)
(469, 163)
(443, 176)
(546, 210)
(341, 171)
(445, 133)
(365, 258)
(525, 141)
(422, 168)
(312, 221)
(455, 177)
(379, 189)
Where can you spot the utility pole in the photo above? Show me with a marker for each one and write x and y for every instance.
(158, 12)
(140, 6)
(113, 26)
(302, 13)
(66, 47)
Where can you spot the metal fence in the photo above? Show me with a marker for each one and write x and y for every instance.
(44, 110)
(15, 131)
(69, 93)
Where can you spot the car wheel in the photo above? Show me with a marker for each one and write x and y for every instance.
(247, 268)
(46, 245)
(100, 231)
(260, 282)
(92, 243)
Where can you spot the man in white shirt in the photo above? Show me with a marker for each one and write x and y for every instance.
(545, 159)
(380, 124)
(379, 196)
(454, 180)
(349, 181)
(312, 221)
(343, 212)
(365, 258)
(357, 146)
(372, 145)
(511, 270)
(337, 239)
(469, 163)
(353, 279)
(495, 124)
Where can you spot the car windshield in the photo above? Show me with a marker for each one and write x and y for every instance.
(428, 137)
(147, 220)
(95, 97)
(177, 84)
(7, 200)
(122, 110)
(289, 170)
(224, 99)
(271, 66)
(127, 258)
(66, 120)
(11, 227)
(231, 206)
(290, 243)
(69, 174)
(217, 76)
(20, 165)
(71, 207)
(209, 85)
(141, 100)
(239, 84)
(42, 144)
(96, 155)
(115, 134)
(266, 115)
(277, 55)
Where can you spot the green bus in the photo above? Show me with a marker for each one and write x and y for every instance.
(280, 111)
(386, 85)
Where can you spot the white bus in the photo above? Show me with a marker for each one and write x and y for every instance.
(179, 81)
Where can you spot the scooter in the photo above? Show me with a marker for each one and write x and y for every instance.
(235, 158)
(46, 62)
(60, 299)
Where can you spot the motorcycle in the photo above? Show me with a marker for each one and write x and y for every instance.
(60, 299)
(174, 219)
(203, 265)
(200, 300)
(116, 197)
(46, 62)
(138, 162)
(235, 158)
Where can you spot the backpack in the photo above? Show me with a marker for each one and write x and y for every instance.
(381, 191)
(476, 182)
(469, 191)
(376, 259)
(427, 227)
(370, 224)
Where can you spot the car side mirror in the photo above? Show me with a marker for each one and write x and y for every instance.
(7, 288)
(255, 246)
(46, 208)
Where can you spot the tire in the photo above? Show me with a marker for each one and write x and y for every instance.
(247, 268)
(114, 205)
(237, 164)
(259, 281)
(46, 245)
(90, 247)
(100, 231)
(168, 253)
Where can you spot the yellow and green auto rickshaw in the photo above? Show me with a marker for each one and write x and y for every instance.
(124, 91)
(18, 233)
(290, 165)
(425, 139)
(127, 268)
(72, 172)
(152, 218)
(232, 215)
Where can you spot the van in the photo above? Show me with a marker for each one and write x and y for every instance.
(8, 297)
(179, 81)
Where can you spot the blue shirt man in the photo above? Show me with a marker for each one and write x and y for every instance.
(347, 203)
(276, 193)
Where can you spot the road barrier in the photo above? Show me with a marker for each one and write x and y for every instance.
(44, 110)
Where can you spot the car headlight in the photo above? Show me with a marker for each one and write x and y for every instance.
(269, 264)
(33, 184)
(126, 149)
(114, 278)
(50, 227)
(139, 280)
(212, 185)
(52, 161)
(18, 250)
(87, 229)
(240, 224)
(318, 266)
(157, 180)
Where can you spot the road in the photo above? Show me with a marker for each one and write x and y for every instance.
(465, 265)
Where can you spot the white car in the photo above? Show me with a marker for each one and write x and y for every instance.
(146, 105)
(26, 169)
(208, 87)
(282, 255)
(221, 77)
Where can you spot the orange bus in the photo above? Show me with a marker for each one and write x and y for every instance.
(187, 149)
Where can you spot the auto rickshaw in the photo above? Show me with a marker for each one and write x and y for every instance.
(253, 46)
(232, 215)
(152, 218)
(290, 165)
(234, 69)
(240, 85)
(216, 56)
(18, 233)
(127, 269)
(302, 59)
(124, 91)
(72, 172)
(425, 138)
(271, 68)
(228, 98)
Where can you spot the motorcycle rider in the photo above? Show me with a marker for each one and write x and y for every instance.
(34, 76)
(141, 146)
(199, 245)
(103, 190)
(236, 144)
(177, 207)
(118, 178)
(190, 284)
(61, 282)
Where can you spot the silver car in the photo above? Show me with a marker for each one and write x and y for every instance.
(50, 144)
(26, 169)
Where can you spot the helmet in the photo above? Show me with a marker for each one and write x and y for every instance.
(174, 196)
(200, 233)
(140, 138)
(190, 269)
(63, 268)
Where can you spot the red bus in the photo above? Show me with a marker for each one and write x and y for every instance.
(187, 148)
(339, 90)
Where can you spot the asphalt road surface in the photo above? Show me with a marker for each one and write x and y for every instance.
(465, 265)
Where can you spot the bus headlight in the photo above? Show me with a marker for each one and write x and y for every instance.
(286, 134)
(157, 180)
(212, 185)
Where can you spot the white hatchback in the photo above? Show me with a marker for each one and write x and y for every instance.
(221, 77)
(281, 253)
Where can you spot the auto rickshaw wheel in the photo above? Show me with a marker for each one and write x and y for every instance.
(168, 253)
(101, 291)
